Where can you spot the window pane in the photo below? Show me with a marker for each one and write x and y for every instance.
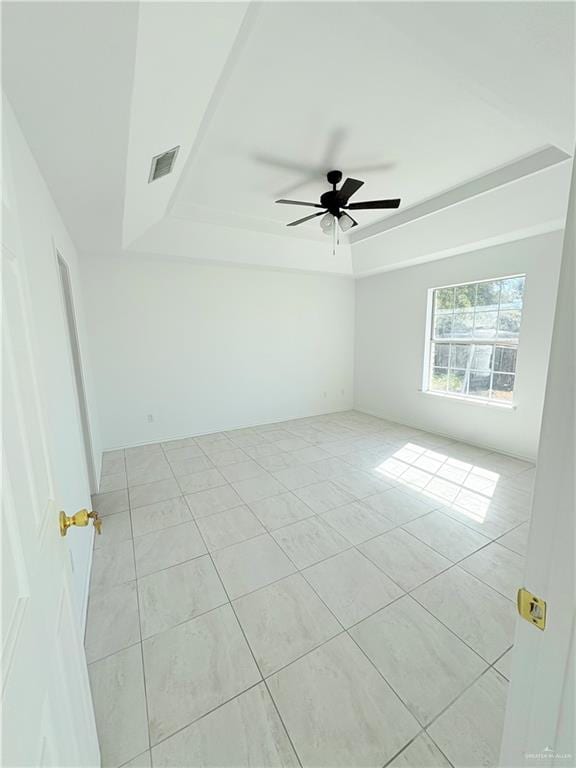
(465, 296)
(441, 354)
(443, 326)
(503, 386)
(479, 384)
(443, 299)
(485, 325)
(456, 381)
(482, 357)
(463, 325)
(509, 324)
(512, 293)
(460, 355)
(488, 295)
(505, 359)
(439, 379)
(475, 331)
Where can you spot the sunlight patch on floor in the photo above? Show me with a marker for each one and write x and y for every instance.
(459, 484)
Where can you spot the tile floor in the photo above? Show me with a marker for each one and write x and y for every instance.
(330, 591)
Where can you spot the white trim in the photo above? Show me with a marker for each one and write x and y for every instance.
(469, 399)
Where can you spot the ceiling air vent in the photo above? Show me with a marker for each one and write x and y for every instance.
(162, 164)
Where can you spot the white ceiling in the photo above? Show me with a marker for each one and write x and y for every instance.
(413, 98)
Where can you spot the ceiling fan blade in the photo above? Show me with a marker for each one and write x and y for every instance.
(347, 189)
(306, 218)
(367, 204)
(298, 202)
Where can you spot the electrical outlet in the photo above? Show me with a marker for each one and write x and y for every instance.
(324, 394)
(342, 392)
(149, 418)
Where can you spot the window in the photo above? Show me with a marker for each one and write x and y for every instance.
(474, 339)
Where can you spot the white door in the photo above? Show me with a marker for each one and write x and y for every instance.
(539, 728)
(47, 714)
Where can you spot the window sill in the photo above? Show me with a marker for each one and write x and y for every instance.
(470, 400)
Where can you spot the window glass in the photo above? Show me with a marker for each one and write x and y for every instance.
(475, 330)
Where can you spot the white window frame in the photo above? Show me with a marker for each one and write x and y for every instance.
(429, 345)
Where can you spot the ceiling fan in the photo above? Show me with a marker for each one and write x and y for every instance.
(334, 204)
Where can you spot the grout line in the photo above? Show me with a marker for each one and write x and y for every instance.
(251, 650)
(140, 628)
(301, 571)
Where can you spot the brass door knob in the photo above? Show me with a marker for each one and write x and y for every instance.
(80, 519)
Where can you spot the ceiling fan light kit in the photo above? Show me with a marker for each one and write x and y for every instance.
(334, 204)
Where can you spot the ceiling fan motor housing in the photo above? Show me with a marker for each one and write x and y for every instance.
(334, 177)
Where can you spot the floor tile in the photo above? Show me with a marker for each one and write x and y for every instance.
(244, 733)
(145, 462)
(310, 454)
(194, 667)
(177, 594)
(116, 528)
(360, 484)
(329, 468)
(182, 449)
(404, 558)
(321, 497)
(504, 664)
(112, 621)
(483, 515)
(421, 753)
(201, 481)
(470, 731)
(142, 451)
(214, 443)
(261, 450)
(242, 471)
(357, 522)
(183, 467)
(278, 460)
(291, 444)
(140, 761)
(113, 482)
(401, 507)
(259, 487)
(162, 514)
(117, 685)
(164, 548)
(251, 564)
(445, 535)
(309, 541)
(338, 709)
(113, 462)
(284, 621)
(296, 477)
(229, 456)
(424, 662)
(110, 503)
(497, 566)
(112, 565)
(161, 471)
(142, 495)
(475, 612)
(517, 539)
(280, 510)
(351, 586)
(229, 527)
(213, 500)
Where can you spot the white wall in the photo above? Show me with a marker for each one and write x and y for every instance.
(42, 231)
(205, 348)
(390, 338)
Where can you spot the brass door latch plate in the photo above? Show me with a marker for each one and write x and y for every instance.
(532, 608)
